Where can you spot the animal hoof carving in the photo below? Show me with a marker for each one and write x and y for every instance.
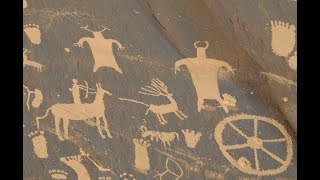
(127, 176)
(58, 174)
(292, 62)
(39, 143)
(33, 33)
(191, 137)
(283, 38)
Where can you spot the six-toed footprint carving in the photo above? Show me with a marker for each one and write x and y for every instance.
(33, 33)
(127, 176)
(74, 162)
(58, 174)
(39, 143)
(283, 38)
(191, 137)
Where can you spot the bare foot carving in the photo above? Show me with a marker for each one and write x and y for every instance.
(283, 38)
(191, 137)
(166, 137)
(256, 143)
(25, 4)
(39, 143)
(33, 32)
(204, 72)
(158, 88)
(74, 162)
(127, 176)
(79, 112)
(101, 49)
(141, 161)
(58, 174)
(104, 178)
(38, 98)
(292, 62)
(168, 170)
(31, 63)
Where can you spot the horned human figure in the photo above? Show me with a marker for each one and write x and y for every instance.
(101, 49)
(204, 72)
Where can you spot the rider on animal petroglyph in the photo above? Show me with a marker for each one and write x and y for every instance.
(101, 49)
(204, 72)
(75, 89)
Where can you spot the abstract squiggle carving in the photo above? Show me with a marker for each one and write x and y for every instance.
(166, 137)
(39, 143)
(173, 172)
(283, 38)
(141, 161)
(74, 162)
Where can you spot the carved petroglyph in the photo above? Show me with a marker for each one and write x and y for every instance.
(292, 62)
(39, 143)
(283, 38)
(158, 88)
(141, 156)
(204, 72)
(166, 137)
(104, 178)
(25, 4)
(127, 176)
(58, 174)
(33, 32)
(38, 97)
(74, 162)
(31, 63)
(103, 169)
(101, 49)
(279, 79)
(191, 137)
(75, 89)
(255, 143)
(77, 112)
(171, 171)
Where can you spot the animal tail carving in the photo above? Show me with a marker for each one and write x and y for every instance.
(38, 118)
(177, 135)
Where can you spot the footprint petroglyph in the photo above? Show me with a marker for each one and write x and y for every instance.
(39, 143)
(141, 156)
(33, 32)
(127, 176)
(283, 38)
(75, 162)
(58, 174)
(191, 137)
(158, 88)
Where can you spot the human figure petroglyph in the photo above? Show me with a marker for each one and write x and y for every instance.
(58, 174)
(171, 171)
(166, 137)
(283, 38)
(101, 49)
(39, 143)
(191, 137)
(31, 63)
(79, 112)
(141, 156)
(75, 162)
(158, 88)
(204, 72)
(256, 143)
(38, 97)
(33, 32)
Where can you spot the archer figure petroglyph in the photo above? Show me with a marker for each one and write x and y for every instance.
(204, 72)
(158, 88)
(101, 49)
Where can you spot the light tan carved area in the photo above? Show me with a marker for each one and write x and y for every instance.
(191, 137)
(39, 143)
(99, 166)
(37, 99)
(255, 143)
(283, 38)
(33, 32)
(141, 156)
(28, 62)
(158, 88)
(79, 112)
(176, 174)
(75, 162)
(58, 174)
(292, 62)
(101, 49)
(127, 176)
(25, 4)
(104, 178)
(204, 72)
(165, 137)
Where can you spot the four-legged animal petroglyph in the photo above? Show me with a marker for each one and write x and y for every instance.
(283, 38)
(39, 143)
(58, 174)
(38, 97)
(191, 137)
(28, 62)
(101, 49)
(74, 162)
(166, 137)
(33, 32)
(171, 170)
(79, 112)
(158, 88)
(204, 72)
(141, 156)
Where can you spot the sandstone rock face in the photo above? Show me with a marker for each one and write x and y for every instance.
(171, 89)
